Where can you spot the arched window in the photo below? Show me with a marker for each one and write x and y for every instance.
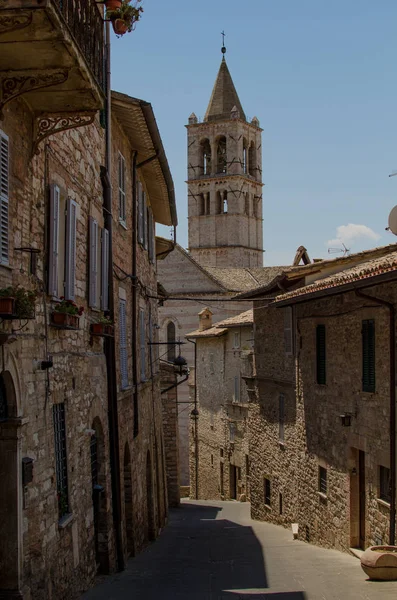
(221, 155)
(171, 341)
(245, 156)
(3, 401)
(205, 166)
(225, 206)
(252, 159)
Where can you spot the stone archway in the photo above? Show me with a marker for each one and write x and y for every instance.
(10, 488)
(128, 508)
(149, 499)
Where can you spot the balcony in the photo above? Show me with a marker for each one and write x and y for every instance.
(52, 53)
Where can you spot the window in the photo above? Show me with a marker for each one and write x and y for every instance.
(58, 412)
(123, 344)
(62, 245)
(142, 337)
(205, 150)
(267, 491)
(122, 207)
(225, 204)
(151, 236)
(281, 417)
(94, 258)
(171, 338)
(105, 270)
(236, 394)
(236, 343)
(384, 484)
(4, 197)
(232, 431)
(322, 480)
(245, 156)
(368, 350)
(320, 355)
(221, 155)
(288, 331)
(142, 215)
(251, 159)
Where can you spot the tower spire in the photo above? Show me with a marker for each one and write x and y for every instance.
(224, 98)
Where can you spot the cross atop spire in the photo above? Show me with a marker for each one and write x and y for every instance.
(223, 50)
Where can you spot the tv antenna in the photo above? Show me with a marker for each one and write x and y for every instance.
(343, 250)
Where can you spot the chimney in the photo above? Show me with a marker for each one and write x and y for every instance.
(205, 319)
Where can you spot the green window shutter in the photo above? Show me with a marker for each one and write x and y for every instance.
(368, 344)
(320, 354)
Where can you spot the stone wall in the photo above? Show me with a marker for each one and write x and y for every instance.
(313, 433)
(171, 433)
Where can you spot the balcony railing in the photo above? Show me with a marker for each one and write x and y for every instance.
(85, 23)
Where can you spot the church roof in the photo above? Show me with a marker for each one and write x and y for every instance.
(243, 278)
(224, 97)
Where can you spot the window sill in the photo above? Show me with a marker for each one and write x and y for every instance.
(383, 503)
(322, 496)
(7, 267)
(281, 444)
(123, 224)
(65, 520)
(268, 507)
(126, 388)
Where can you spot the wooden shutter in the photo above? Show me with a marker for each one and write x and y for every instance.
(4, 198)
(105, 270)
(368, 351)
(321, 354)
(123, 344)
(150, 235)
(122, 211)
(70, 253)
(288, 331)
(53, 251)
(140, 212)
(142, 343)
(93, 263)
(145, 222)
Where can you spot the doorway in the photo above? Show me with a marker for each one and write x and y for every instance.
(357, 499)
(233, 482)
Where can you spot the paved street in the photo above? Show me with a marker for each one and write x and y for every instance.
(213, 550)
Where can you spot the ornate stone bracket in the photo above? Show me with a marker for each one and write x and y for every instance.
(10, 22)
(16, 83)
(46, 125)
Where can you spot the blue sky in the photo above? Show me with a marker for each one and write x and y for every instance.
(321, 78)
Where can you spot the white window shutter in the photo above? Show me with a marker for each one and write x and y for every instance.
(123, 344)
(288, 330)
(4, 198)
(142, 343)
(150, 232)
(93, 263)
(53, 251)
(70, 254)
(105, 270)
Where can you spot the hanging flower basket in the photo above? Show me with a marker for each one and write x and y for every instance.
(113, 4)
(125, 16)
(7, 307)
(65, 320)
(120, 27)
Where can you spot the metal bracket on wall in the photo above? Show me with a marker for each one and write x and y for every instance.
(17, 83)
(48, 124)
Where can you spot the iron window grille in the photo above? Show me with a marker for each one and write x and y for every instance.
(267, 491)
(322, 480)
(384, 484)
(61, 459)
(320, 355)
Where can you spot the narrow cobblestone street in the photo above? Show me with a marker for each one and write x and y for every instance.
(213, 550)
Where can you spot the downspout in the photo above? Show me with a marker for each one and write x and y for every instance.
(392, 428)
(109, 342)
(195, 412)
(134, 296)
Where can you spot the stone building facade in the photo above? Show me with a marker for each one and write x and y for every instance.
(225, 244)
(71, 500)
(219, 466)
(319, 418)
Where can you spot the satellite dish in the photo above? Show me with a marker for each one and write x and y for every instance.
(393, 220)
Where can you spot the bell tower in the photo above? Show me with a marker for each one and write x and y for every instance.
(225, 181)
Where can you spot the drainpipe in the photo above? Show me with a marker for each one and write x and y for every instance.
(109, 342)
(134, 295)
(195, 413)
(392, 342)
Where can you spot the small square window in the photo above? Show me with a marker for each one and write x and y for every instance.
(384, 484)
(267, 491)
(322, 480)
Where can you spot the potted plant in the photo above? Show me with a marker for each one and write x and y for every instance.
(17, 302)
(66, 314)
(103, 327)
(124, 18)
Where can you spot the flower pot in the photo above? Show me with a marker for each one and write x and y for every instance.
(112, 4)
(65, 320)
(380, 562)
(120, 27)
(97, 328)
(7, 306)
